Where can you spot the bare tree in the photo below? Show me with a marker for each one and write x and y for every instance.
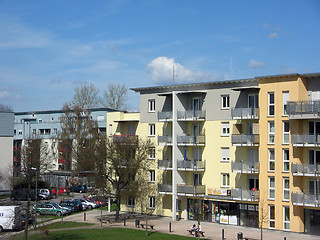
(86, 96)
(5, 108)
(115, 97)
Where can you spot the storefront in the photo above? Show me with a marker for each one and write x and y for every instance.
(249, 215)
(312, 221)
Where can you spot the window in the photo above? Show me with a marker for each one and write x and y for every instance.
(110, 129)
(225, 102)
(225, 129)
(225, 152)
(55, 131)
(14, 131)
(152, 105)
(271, 160)
(285, 100)
(131, 201)
(286, 132)
(286, 218)
(152, 130)
(178, 205)
(152, 202)
(271, 132)
(34, 131)
(20, 132)
(286, 161)
(271, 187)
(152, 153)
(271, 216)
(286, 189)
(152, 176)
(271, 103)
(197, 179)
(225, 179)
(40, 120)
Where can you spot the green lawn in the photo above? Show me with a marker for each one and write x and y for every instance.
(113, 207)
(61, 225)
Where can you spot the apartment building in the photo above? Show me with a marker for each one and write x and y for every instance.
(239, 152)
(45, 125)
(6, 145)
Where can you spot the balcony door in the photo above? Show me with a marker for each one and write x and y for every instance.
(196, 104)
(197, 153)
(253, 183)
(253, 101)
(197, 179)
(314, 128)
(314, 187)
(314, 157)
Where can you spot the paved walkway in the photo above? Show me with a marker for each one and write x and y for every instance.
(212, 230)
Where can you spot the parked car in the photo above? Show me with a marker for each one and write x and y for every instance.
(61, 190)
(23, 219)
(57, 205)
(48, 209)
(10, 218)
(79, 189)
(99, 202)
(86, 204)
(44, 194)
(77, 205)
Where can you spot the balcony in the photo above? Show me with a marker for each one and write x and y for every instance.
(303, 109)
(303, 199)
(309, 170)
(245, 140)
(185, 165)
(191, 140)
(165, 164)
(125, 138)
(165, 189)
(165, 140)
(164, 116)
(305, 140)
(191, 115)
(245, 113)
(244, 167)
(245, 195)
(191, 190)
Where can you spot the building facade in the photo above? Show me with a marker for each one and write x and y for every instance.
(241, 152)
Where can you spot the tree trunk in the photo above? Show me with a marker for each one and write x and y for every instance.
(26, 222)
(118, 204)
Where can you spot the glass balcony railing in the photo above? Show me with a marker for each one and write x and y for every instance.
(165, 188)
(304, 199)
(245, 113)
(165, 116)
(305, 140)
(165, 164)
(245, 140)
(191, 189)
(165, 140)
(192, 165)
(245, 167)
(303, 107)
(192, 140)
(305, 169)
(245, 195)
(191, 115)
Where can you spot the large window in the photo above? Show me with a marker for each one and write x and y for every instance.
(271, 132)
(225, 152)
(285, 99)
(286, 132)
(286, 161)
(152, 130)
(286, 189)
(151, 105)
(225, 180)
(286, 218)
(131, 201)
(271, 103)
(272, 216)
(225, 129)
(271, 188)
(271, 160)
(225, 102)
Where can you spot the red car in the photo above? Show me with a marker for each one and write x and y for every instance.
(101, 203)
(61, 190)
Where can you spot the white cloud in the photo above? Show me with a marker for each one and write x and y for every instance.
(161, 71)
(256, 64)
(3, 94)
(273, 35)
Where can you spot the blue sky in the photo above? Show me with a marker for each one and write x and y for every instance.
(47, 48)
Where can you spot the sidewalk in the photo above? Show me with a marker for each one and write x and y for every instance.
(212, 230)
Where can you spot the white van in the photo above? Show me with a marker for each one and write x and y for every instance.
(10, 218)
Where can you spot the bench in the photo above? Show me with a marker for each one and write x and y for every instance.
(147, 226)
(192, 232)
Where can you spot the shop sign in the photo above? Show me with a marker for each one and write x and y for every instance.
(218, 191)
(224, 219)
(233, 220)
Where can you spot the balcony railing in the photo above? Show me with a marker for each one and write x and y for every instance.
(245, 140)
(165, 116)
(303, 107)
(245, 167)
(191, 140)
(191, 165)
(303, 199)
(124, 138)
(165, 188)
(305, 140)
(311, 170)
(245, 113)
(165, 140)
(191, 189)
(191, 115)
(245, 195)
(165, 164)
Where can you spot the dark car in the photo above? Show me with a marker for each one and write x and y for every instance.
(79, 189)
(76, 205)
